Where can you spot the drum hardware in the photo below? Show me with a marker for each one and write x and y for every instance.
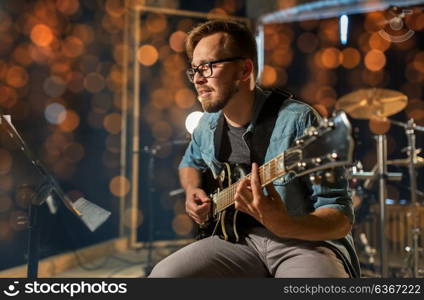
(404, 162)
(409, 261)
(413, 160)
(380, 172)
(378, 104)
(392, 176)
(369, 251)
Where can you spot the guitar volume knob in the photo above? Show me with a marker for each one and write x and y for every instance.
(330, 177)
(317, 161)
(315, 179)
(334, 156)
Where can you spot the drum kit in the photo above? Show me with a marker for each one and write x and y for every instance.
(377, 105)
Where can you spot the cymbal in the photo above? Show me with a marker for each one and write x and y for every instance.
(372, 103)
(404, 162)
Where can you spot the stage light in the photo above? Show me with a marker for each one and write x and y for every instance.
(344, 24)
(192, 120)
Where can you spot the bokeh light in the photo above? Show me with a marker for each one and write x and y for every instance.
(73, 152)
(182, 224)
(115, 8)
(379, 126)
(282, 57)
(17, 77)
(67, 7)
(413, 75)
(329, 31)
(350, 58)
(133, 218)
(147, 55)
(21, 55)
(177, 40)
(162, 98)
(375, 60)
(113, 123)
(72, 47)
(70, 122)
(94, 82)
(54, 86)
(42, 35)
(331, 58)
(84, 33)
(269, 76)
(119, 186)
(156, 23)
(418, 62)
(185, 98)
(377, 42)
(55, 113)
(75, 82)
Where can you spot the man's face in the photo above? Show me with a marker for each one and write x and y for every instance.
(216, 91)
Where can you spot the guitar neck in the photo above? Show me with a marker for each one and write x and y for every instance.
(268, 172)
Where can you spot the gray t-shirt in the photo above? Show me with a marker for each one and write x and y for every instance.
(233, 148)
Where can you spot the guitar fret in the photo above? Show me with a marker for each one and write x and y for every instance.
(267, 173)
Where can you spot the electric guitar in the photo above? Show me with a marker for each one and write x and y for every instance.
(324, 147)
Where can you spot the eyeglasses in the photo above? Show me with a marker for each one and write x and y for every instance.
(205, 70)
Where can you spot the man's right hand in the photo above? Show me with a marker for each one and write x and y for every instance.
(198, 205)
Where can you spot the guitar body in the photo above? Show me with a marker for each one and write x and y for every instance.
(224, 223)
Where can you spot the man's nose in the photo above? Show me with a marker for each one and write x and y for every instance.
(199, 79)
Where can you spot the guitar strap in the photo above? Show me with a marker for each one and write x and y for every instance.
(265, 123)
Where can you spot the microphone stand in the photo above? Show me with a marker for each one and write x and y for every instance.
(152, 151)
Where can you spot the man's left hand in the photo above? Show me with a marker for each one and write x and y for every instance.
(249, 198)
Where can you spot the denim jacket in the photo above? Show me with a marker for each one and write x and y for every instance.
(299, 194)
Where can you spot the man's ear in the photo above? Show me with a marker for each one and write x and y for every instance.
(247, 69)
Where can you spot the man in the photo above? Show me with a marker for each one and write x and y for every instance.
(293, 228)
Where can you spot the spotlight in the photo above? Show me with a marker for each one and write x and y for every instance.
(192, 120)
(344, 23)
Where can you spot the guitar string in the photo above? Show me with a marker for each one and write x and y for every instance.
(226, 196)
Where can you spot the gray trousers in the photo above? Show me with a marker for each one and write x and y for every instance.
(259, 254)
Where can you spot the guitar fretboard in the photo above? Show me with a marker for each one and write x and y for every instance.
(268, 172)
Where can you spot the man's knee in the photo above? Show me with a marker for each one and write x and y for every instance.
(164, 269)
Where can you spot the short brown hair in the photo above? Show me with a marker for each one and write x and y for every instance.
(242, 38)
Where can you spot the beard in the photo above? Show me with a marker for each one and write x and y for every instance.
(211, 105)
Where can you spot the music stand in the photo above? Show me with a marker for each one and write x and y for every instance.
(89, 213)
